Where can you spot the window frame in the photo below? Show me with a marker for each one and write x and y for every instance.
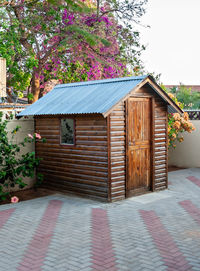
(74, 135)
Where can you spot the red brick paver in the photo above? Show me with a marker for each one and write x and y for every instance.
(172, 256)
(191, 209)
(5, 215)
(103, 257)
(194, 180)
(37, 249)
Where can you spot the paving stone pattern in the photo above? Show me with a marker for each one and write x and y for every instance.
(157, 231)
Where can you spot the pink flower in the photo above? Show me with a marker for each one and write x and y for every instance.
(37, 135)
(29, 135)
(14, 199)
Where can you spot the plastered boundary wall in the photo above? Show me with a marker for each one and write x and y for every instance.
(27, 127)
(187, 153)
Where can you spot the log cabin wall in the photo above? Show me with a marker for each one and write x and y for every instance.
(160, 150)
(82, 168)
(117, 153)
(117, 120)
(159, 140)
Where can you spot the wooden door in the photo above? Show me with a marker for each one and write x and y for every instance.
(138, 145)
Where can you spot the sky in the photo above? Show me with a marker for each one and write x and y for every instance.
(173, 40)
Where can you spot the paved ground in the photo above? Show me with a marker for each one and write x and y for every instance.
(157, 231)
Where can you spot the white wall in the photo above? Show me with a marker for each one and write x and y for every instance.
(27, 127)
(2, 77)
(187, 153)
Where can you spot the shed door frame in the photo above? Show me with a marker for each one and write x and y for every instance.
(152, 147)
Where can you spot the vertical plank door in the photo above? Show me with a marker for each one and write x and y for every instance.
(138, 146)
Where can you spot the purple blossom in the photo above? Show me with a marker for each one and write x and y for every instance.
(68, 18)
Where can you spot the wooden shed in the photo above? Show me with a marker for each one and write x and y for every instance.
(106, 139)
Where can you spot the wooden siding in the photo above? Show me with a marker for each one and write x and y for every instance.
(82, 168)
(159, 149)
(117, 153)
(160, 145)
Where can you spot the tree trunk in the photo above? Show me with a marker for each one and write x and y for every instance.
(35, 87)
(9, 95)
(98, 6)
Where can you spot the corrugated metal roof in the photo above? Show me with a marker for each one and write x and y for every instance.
(83, 98)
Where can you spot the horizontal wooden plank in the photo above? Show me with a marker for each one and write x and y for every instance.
(160, 109)
(117, 145)
(92, 156)
(161, 178)
(48, 121)
(117, 174)
(117, 154)
(85, 161)
(160, 162)
(160, 184)
(118, 164)
(160, 137)
(67, 148)
(72, 175)
(117, 194)
(117, 129)
(160, 145)
(160, 114)
(160, 131)
(117, 118)
(91, 128)
(117, 133)
(91, 138)
(84, 122)
(91, 143)
(45, 133)
(116, 124)
(78, 188)
(77, 166)
(116, 184)
(162, 140)
(160, 126)
(117, 113)
(159, 171)
(76, 181)
(47, 128)
(118, 189)
(91, 133)
(159, 122)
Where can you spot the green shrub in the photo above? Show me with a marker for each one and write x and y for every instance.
(14, 167)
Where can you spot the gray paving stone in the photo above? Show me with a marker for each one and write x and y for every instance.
(133, 246)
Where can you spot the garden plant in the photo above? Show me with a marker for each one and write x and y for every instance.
(178, 124)
(14, 167)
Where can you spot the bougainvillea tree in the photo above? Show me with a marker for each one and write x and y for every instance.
(67, 41)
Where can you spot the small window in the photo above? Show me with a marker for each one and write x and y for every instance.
(67, 131)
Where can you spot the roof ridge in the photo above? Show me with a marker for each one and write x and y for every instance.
(104, 81)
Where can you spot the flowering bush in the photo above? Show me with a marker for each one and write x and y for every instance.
(14, 199)
(68, 41)
(178, 124)
(13, 166)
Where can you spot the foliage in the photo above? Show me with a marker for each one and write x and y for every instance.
(68, 41)
(189, 98)
(13, 166)
(178, 124)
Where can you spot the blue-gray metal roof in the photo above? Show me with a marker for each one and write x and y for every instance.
(90, 97)
(83, 98)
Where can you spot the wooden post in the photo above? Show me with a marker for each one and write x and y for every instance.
(167, 149)
(109, 160)
(153, 144)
